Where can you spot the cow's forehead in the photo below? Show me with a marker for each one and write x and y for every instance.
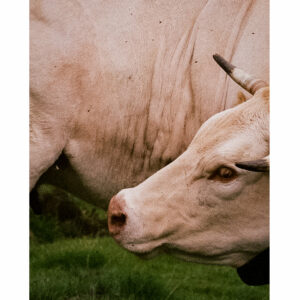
(231, 132)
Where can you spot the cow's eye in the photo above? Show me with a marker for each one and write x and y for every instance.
(224, 174)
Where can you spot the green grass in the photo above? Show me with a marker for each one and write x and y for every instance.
(97, 268)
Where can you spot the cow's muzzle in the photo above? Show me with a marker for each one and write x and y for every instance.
(116, 216)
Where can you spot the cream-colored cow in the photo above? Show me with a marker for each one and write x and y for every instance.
(207, 206)
(119, 88)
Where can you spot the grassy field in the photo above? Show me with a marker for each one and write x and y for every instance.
(71, 257)
(99, 269)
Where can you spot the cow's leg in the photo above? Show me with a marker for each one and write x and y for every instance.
(44, 150)
(48, 135)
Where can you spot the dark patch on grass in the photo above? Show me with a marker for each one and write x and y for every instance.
(56, 214)
(44, 228)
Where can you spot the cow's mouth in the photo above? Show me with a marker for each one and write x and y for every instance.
(167, 249)
(230, 258)
(148, 251)
(144, 250)
(150, 254)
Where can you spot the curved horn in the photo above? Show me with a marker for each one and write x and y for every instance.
(259, 165)
(246, 81)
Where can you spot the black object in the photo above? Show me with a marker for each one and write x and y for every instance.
(257, 270)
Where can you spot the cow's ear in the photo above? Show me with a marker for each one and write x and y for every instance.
(259, 165)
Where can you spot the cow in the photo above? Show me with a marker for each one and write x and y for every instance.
(210, 205)
(118, 89)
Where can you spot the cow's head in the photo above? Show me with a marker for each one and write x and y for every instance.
(211, 204)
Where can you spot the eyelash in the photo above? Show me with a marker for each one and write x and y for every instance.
(216, 175)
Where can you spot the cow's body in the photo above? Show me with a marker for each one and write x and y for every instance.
(121, 87)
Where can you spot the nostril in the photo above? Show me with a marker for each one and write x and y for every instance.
(118, 220)
(116, 216)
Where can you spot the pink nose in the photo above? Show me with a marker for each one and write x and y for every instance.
(116, 215)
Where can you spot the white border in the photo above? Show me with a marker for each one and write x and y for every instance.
(285, 150)
(14, 155)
